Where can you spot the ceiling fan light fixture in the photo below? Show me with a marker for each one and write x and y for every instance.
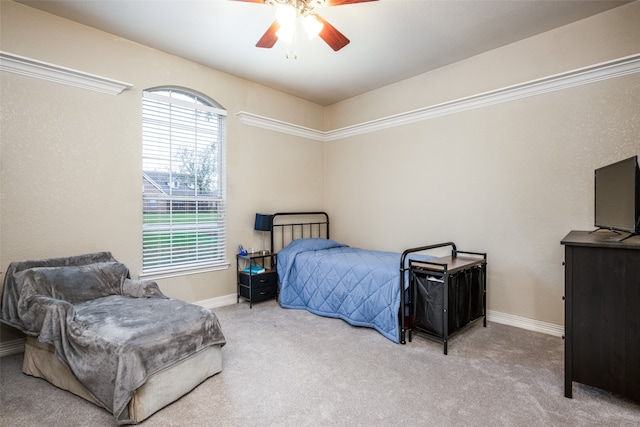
(285, 33)
(286, 15)
(316, 3)
(285, 25)
(312, 26)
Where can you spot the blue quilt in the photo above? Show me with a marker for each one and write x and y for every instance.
(331, 279)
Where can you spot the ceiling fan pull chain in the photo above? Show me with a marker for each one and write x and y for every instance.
(295, 45)
(295, 42)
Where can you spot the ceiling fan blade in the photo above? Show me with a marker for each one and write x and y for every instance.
(339, 2)
(269, 38)
(334, 38)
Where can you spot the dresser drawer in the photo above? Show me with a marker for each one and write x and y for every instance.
(259, 293)
(263, 279)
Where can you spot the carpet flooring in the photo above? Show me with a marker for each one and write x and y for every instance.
(292, 368)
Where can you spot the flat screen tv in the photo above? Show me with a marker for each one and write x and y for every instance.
(617, 196)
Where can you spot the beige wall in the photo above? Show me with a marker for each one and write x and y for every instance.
(70, 170)
(509, 179)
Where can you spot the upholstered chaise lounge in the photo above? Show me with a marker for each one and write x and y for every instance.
(117, 342)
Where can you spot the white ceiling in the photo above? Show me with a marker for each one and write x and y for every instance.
(391, 40)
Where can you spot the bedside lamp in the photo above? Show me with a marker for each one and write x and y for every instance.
(264, 223)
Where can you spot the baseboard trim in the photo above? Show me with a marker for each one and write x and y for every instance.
(218, 302)
(525, 323)
(492, 316)
(17, 346)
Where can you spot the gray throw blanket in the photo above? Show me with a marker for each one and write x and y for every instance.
(112, 332)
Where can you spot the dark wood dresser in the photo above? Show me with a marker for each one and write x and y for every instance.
(602, 312)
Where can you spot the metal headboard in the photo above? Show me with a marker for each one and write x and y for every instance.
(289, 226)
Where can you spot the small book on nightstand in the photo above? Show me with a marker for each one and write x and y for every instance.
(254, 269)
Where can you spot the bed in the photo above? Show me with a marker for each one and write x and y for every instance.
(328, 278)
(116, 342)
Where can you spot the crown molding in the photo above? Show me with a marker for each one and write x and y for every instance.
(54, 73)
(280, 126)
(581, 76)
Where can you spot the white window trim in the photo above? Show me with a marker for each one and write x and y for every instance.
(195, 267)
(183, 271)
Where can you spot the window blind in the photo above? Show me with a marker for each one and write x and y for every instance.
(183, 191)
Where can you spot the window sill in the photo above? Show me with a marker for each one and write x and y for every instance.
(183, 271)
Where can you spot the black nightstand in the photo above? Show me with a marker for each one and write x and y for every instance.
(257, 277)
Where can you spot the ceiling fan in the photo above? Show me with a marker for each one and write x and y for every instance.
(289, 10)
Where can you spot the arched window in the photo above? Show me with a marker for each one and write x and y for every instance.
(183, 181)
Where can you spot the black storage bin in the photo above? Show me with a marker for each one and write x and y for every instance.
(429, 297)
(461, 285)
(477, 289)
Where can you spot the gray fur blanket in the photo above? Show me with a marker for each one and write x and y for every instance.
(111, 331)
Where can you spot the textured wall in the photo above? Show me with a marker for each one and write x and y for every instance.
(509, 179)
(71, 158)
